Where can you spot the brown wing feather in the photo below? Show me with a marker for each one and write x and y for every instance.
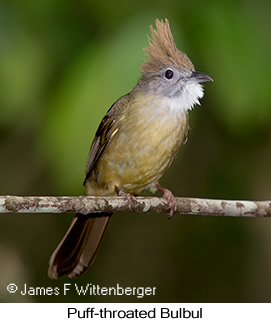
(103, 135)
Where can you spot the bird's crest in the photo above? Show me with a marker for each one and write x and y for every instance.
(162, 50)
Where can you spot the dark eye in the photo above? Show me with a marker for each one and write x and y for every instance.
(169, 74)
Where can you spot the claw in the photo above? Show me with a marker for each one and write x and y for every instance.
(170, 198)
(127, 196)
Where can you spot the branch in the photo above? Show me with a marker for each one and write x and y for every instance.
(91, 204)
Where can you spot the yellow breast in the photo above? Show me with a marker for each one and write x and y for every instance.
(149, 135)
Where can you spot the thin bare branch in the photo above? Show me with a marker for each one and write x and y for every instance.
(91, 204)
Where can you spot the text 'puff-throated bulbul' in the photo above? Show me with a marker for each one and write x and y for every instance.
(136, 142)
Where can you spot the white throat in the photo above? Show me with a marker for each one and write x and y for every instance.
(189, 95)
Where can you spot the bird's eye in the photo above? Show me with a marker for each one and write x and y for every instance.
(169, 74)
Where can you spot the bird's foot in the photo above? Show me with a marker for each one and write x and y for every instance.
(129, 197)
(170, 198)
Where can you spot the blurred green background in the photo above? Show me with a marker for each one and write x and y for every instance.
(62, 64)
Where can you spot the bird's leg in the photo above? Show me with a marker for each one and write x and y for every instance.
(127, 196)
(170, 198)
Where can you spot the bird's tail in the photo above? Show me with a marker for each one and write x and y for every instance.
(77, 249)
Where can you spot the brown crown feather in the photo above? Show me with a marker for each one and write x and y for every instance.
(162, 50)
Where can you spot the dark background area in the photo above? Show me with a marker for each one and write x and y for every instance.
(62, 64)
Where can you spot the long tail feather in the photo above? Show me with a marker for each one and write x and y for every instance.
(77, 249)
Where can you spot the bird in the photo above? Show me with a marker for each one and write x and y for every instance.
(136, 142)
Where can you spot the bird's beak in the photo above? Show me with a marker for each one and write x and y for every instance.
(200, 77)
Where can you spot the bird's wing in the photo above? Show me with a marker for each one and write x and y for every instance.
(106, 130)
